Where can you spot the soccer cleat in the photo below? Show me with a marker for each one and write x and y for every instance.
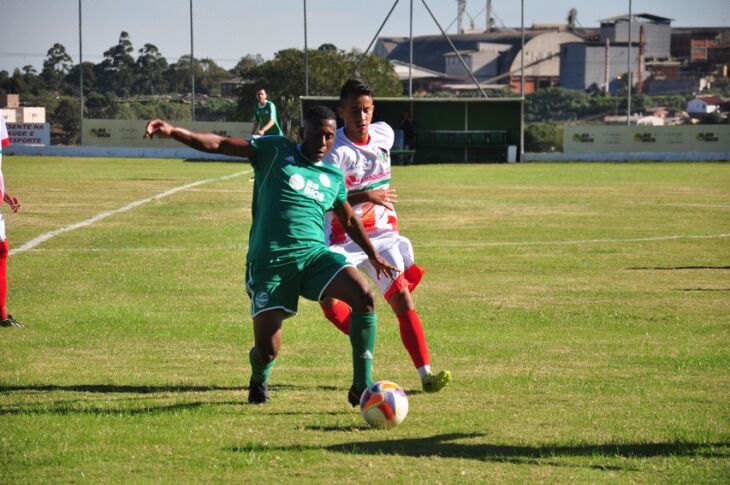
(353, 397)
(258, 393)
(434, 383)
(11, 322)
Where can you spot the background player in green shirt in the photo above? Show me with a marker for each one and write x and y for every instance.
(265, 120)
(287, 254)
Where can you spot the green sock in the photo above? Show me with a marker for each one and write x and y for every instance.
(259, 373)
(363, 328)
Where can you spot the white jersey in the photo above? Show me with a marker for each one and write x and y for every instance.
(365, 167)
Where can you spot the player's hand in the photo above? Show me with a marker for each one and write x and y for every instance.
(260, 132)
(384, 197)
(13, 202)
(158, 128)
(383, 267)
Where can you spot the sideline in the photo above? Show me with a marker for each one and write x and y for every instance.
(103, 215)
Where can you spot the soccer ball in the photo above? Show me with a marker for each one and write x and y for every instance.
(384, 404)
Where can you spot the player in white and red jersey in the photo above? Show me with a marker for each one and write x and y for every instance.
(362, 151)
(6, 320)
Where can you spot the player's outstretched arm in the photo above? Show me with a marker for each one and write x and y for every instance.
(12, 201)
(354, 228)
(205, 142)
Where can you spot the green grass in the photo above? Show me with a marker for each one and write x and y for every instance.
(583, 349)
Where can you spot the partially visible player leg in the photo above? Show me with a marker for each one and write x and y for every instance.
(338, 312)
(267, 342)
(414, 340)
(6, 320)
(398, 295)
(350, 287)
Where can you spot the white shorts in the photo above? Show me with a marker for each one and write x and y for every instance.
(2, 227)
(396, 250)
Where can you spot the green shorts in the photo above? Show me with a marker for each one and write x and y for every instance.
(278, 286)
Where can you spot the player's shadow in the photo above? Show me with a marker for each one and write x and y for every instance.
(153, 389)
(119, 388)
(130, 400)
(447, 446)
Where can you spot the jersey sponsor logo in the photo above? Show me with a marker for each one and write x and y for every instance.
(325, 180)
(309, 188)
(261, 299)
(296, 182)
(312, 190)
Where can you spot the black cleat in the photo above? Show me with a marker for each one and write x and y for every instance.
(353, 397)
(11, 322)
(258, 393)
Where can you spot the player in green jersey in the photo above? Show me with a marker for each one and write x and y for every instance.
(265, 120)
(287, 254)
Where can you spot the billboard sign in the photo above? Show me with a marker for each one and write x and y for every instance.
(36, 134)
(129, 133)
(629, 139)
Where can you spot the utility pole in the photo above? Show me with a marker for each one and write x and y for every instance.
(81, 82)
(489, 16)
(192, 60)
(628, 99)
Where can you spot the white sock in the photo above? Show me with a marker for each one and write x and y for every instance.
(424, 371)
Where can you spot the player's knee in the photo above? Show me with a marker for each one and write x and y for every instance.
(266, 354)
(367, 299)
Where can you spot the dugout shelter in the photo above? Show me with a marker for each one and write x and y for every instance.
(448, 130)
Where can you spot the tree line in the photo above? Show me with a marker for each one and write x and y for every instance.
(121, 86)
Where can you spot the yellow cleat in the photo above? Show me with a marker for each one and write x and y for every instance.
(436, 382)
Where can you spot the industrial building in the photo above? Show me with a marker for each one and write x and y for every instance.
(587, 64)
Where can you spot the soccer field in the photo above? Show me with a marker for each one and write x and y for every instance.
(583, 309)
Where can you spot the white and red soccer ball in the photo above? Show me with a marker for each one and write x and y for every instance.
(384, 404)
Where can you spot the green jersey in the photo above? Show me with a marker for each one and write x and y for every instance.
(263, 114)
(290, 197)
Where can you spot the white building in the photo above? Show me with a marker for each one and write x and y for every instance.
(704, 105)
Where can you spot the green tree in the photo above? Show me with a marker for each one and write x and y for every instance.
(71, 81)
(210, 77)
(177, 76)
(150, 71)
(543, 137)
(66, 117)
(56, 65)
(116, 72)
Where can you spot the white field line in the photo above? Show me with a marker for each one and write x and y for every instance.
(429, 244)
(103, 215)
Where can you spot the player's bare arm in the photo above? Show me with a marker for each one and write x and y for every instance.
(354, 228)
(205, 142)
(12, 201)
(384, 197)
(266, 127)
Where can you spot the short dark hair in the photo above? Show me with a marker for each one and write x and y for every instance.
(356, 87)
(317, 113)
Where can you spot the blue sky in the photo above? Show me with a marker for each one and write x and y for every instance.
(225, 30)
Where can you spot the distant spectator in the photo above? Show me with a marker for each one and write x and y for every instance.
(265, 120)
(408, 129)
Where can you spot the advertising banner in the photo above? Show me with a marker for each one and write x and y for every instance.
(129, 133)
(628, 139)
(35, 134)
